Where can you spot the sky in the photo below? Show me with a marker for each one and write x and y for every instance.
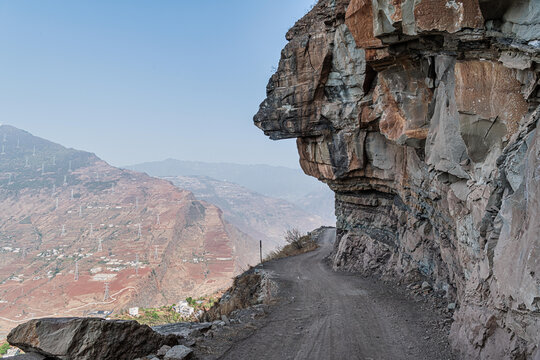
(145, 80)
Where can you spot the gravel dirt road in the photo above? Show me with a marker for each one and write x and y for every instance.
(326, 315)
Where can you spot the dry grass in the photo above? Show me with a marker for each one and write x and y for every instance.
(242, 294)
(303, 245)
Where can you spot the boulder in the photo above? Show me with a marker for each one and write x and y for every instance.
(87, 338)
(179, 352)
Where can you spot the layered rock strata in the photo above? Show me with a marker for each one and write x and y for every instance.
(421, 116)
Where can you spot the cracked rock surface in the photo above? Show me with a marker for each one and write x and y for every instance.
(421, 116)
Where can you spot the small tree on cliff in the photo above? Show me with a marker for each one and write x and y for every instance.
(294, 237)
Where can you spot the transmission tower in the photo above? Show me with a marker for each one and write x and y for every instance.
(3, 149)
(77, 270)
(137, 264)
(71, 194)
(80, 210)
(34, 151)
(54, 160)
(63, 230)
(53, 188)
(140, 231)
(136, 203)
(106, 295)
(26, 161)
(157, 220)
(56, 207)
(42, 169)
(100, 246)
(155, 252)
(65, 180)
(18, 142)
(69, 166)
(91, 229)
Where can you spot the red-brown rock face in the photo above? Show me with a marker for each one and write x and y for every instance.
(421, 116)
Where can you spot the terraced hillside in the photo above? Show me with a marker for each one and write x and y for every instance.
(78, 235)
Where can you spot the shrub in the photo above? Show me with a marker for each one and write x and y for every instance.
(294, 237)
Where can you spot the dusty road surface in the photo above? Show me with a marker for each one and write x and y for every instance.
(326, 315)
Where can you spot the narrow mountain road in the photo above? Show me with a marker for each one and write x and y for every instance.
(326, 315)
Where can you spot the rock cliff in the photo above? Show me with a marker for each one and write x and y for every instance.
(421, 116)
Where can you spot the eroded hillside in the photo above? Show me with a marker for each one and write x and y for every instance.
(72, 226)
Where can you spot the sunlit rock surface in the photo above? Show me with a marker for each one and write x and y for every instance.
(421, 116)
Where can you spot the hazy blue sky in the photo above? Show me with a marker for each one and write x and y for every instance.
(135, 80)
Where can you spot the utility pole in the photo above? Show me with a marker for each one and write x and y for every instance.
(76, 270)
(56, 208)
(140, 231)
(155, 252)
(100, 246)
(136, 203)
(106, 295)
(18, 142)
(71, 194)
(260, 250)
(157, 221)
(80, 210)
(69, 166)
(137, 264)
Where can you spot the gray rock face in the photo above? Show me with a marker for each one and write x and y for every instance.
(178, 352)
(87, 338)
(29, 356)
(427, 134)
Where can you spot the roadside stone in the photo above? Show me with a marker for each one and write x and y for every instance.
(426, 285)
(178, 352)
(28, 356)
(163, 350)
(87, 338)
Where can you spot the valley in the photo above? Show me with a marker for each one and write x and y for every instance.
(79, 236)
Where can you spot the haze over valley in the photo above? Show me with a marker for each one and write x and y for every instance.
(78, 235)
